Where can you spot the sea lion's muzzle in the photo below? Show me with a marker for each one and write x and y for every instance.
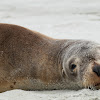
(92, 77)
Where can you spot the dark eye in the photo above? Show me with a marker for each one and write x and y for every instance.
(73, 66)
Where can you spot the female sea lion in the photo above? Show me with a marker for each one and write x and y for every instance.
(32, 61)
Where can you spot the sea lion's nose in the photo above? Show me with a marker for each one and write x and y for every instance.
(96, 69)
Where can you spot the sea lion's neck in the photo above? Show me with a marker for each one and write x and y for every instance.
(61, 48)
(50, 56)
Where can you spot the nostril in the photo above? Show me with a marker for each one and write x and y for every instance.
(96, 69)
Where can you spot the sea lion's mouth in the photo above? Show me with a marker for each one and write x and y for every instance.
(94, 87)
(98, 84)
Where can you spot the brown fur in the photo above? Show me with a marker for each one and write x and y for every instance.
(27, 54)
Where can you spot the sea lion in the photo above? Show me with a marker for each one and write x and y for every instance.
(32, 61)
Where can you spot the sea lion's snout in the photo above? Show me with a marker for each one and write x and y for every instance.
(96, 70)
(91, 76)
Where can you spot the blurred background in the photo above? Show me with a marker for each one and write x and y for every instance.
(76, 19)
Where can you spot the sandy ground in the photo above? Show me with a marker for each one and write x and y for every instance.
(75, 19)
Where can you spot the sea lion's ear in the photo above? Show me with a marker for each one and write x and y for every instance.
(63, 73)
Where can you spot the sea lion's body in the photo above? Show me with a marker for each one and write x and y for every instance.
(27, 56)
(32, 61)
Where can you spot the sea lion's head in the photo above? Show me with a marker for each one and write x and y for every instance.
(81, 65)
